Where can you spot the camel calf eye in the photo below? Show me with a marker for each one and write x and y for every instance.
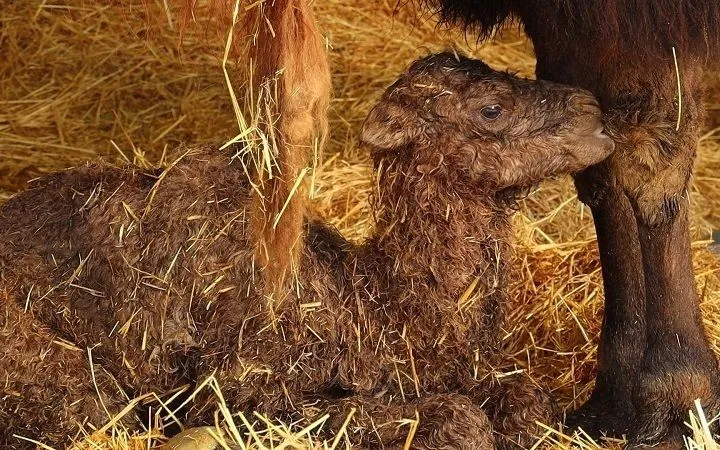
(491, 112)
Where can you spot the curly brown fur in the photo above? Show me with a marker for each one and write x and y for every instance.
(515, 406)
(154, 270)
(450, 421)
(66, 394)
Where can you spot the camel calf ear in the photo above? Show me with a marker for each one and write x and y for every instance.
(390, 125)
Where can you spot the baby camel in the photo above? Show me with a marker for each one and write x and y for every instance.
(118, 281)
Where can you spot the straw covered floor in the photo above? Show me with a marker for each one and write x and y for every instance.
(82, 79)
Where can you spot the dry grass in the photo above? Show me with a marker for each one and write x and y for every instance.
(80, 79)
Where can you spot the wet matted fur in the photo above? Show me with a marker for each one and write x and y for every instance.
(121, 279)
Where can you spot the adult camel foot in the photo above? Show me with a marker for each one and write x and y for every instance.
(600, 417)
(666, 393)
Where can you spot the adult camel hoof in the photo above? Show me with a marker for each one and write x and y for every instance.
(599, 417)
(665, 397)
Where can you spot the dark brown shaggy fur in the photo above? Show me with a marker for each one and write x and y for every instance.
(654, 359)
(616, 26)
(150, 276)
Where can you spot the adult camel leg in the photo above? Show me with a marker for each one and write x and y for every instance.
(678, 365)
(652, 165)
(622, 337)
(651, 168)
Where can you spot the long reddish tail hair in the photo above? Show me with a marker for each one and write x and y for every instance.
(289, 77)
(290, 64)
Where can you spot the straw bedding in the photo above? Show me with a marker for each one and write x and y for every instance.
(80, 79)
